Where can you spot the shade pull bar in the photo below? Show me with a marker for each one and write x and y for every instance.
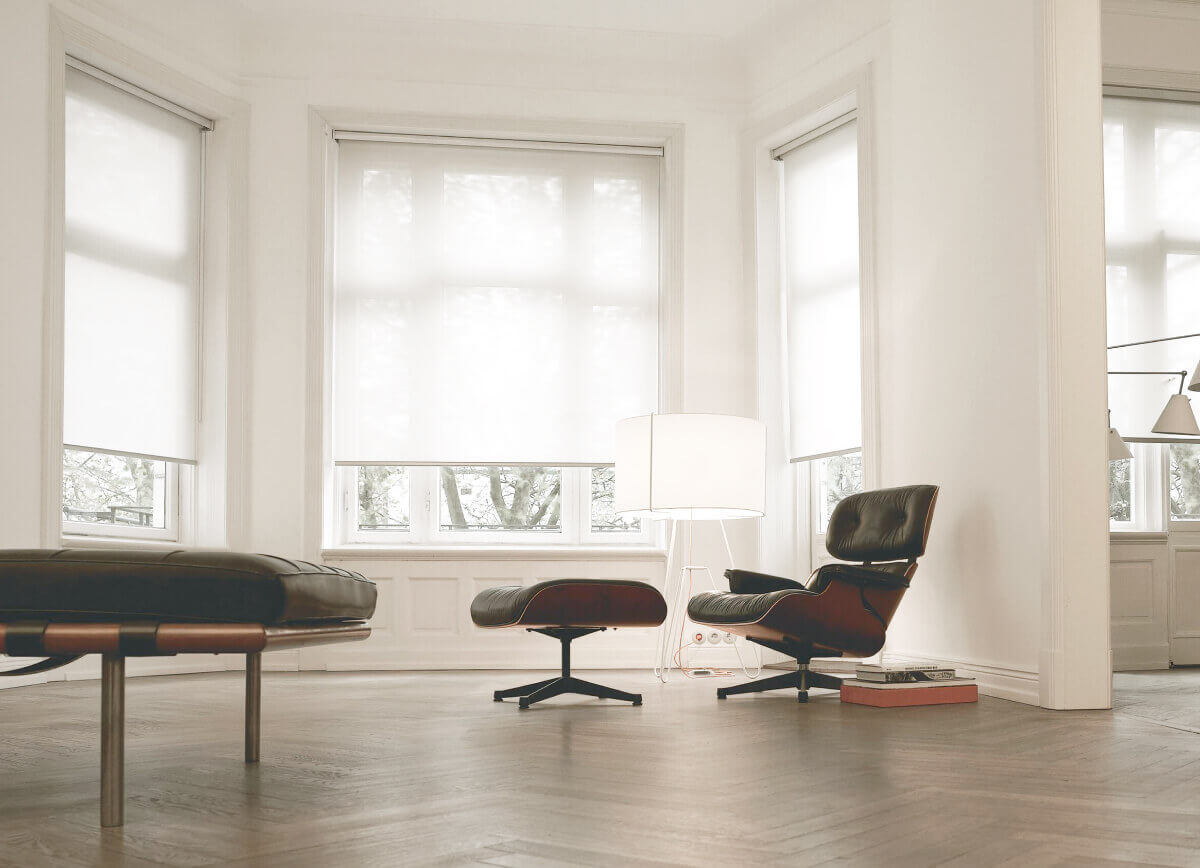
(812, 135)
(141, 93)
(350, 462)
(484, 142)
(832, 454)
(1152, 341)
(148, 457)
(1164, 94)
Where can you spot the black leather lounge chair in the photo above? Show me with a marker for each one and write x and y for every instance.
(844, 608)
(63, 604)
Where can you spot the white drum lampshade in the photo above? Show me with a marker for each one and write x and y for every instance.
(696, 466)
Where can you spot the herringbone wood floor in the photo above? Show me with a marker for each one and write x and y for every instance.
(424, 769)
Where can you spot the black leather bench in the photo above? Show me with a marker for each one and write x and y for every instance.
(63, 604)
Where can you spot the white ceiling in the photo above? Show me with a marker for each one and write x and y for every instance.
(720, 19)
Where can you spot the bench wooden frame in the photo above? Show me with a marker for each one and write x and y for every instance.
(117, 640)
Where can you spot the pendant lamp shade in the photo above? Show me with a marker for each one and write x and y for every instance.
(1177, 418)
(691, 466)
(1194, 383)
(1117, 448)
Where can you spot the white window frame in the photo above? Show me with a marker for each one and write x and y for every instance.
(1174, 525)
(179, 500)
(785, 535)
(850, 103)
(424, 517)
(1149, 506)
(212, 496)
(330, 521)
(177, 479)
(817, 530)
(1150, 468)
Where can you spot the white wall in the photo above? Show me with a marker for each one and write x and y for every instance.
(976, 370)
(963, 302)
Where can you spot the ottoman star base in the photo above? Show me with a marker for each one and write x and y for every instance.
(566, 683)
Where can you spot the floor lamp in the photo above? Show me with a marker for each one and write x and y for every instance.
(690, 467)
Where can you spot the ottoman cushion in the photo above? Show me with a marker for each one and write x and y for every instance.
(571, 603)
(105, 585)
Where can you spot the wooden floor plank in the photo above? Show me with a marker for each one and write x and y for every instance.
(411, 768)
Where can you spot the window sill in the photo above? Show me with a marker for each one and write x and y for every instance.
(1128, 536)
(115, 542)
(494, 553)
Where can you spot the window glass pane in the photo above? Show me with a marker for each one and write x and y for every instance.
(501, 499)
(116, 490)
(604, 519)
(383, 498)
(1185, 481)
(840, 476)
(1120, 490)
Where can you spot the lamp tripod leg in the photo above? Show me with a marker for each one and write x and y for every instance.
(669, 591)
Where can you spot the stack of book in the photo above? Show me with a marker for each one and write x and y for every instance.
(909, 684)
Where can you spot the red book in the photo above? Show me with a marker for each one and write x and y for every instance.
(898, 695)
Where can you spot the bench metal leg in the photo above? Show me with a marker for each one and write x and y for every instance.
(112, 741)
(253, 705)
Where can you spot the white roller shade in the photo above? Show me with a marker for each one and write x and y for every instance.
(1152, 229)
(492, 305)
(823, 331)
(131, 273)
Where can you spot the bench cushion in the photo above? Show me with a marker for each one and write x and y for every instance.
(570, 603)
(100, 585)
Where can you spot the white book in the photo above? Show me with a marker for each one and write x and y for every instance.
(901, 667)
(904, 685)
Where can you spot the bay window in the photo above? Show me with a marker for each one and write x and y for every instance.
(131, 273)
(496, 311)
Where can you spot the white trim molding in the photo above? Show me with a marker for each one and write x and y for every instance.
(320, 519)
(784, 537)
(1075, 658)
(993, 679)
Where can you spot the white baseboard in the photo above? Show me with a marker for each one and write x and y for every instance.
(1002, 682)
(1134, 658)
(88, 669)
(24, 680)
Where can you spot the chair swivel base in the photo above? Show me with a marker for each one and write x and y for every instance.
(565, 683)
(801, 680)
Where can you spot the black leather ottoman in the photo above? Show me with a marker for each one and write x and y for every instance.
(566, 609)
(64, 603)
